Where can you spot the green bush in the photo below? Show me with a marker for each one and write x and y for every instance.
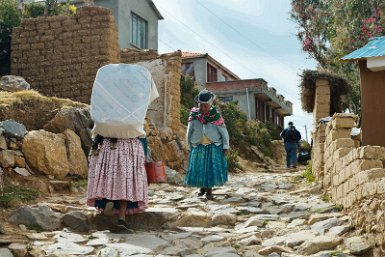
(184, 112)
(10, 17)
(308, 173)
(232, 160)
(33, 10)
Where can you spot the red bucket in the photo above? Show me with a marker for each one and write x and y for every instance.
(156, 172)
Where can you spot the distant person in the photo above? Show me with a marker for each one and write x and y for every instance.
(208, 140)
(291, 138)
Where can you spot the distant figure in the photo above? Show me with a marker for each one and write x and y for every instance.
(291, 137)
(208, 140)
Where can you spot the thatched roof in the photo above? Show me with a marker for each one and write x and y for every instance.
(338, 87)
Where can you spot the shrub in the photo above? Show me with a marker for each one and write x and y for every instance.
(232, 160)
(308, 174)
(10, 17)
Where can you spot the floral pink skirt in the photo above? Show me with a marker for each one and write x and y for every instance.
(118, 173)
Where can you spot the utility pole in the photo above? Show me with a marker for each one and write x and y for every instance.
(306, 134)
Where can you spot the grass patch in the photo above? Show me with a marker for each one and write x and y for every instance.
(15, 194)
(325, 198)
(339, 207)
(79, 183)
(35, 227)
(308, 174)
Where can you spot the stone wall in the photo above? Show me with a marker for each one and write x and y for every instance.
(59, 55)
(166, 71)
(353, 176)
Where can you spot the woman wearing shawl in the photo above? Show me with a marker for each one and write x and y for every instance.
(208, 140)
(120, 98)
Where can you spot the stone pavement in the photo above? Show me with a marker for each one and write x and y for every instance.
(266, 213)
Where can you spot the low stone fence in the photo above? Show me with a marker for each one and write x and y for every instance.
(353, 176)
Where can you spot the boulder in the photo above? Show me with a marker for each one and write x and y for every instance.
(13, 83)
(12, 128)
(174, 177)
(75, 119)
(46, 152)
(41, 215)
(76, 158)
(77, 221)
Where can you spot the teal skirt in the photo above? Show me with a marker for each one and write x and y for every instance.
(207, 166)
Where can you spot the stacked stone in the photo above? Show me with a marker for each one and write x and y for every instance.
(59, 55)
(337, 144)
(132, 55)
(318, 151)
(321, 101)
(11, 158)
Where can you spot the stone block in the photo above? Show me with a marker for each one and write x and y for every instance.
(371, 152)
(343, 120)
(335, 180)
(339, 133)
(322, 99)
(367, 176)
(346, 188)
(341, 152)
(342, 143)
(322, 89)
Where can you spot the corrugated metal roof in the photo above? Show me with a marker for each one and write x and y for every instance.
(374, 48)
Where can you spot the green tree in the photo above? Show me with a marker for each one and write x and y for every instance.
(188, 91)
(10, 17)
(330, 29)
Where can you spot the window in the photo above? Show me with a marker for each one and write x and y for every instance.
(226, 99)
(139, 31)
(211, 73)
(188, 69)
(222, 77)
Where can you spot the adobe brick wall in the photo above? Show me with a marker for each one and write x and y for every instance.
(354, 177)
(59, 55)
(166, 71)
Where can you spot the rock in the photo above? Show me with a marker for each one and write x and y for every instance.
(253, 240)
(1, 229)
(65, 247)
(174, 177)
(189, 243)
(251, 253)
(22, 171)
(194, 218)
(338, 230)
(317, 217)
(357, 245)
(13, 129)
(296, 223)
(322, 226)
(20, 250)
(7, 158)
(317, 244)
(46, 152)
(75, 119)
(19, 161)
(223, 218)
(5, 252)
(252, 221)
(273, 249)
(3, 143)
(77, 160)
(12, 83)
(220, 251)
(42, 216)
(37, 236)
(212, 238)
(77, 221)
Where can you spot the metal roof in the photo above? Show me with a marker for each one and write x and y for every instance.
(374, 48)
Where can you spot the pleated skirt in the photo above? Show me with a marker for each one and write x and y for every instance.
(207, 166)
(118, 173)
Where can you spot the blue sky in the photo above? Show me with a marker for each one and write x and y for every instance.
(252, 38)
